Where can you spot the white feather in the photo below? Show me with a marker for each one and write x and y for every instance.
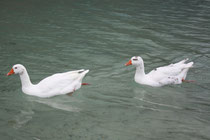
(57, 84)
(171, 74)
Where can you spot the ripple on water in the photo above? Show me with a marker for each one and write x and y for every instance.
(102, 36)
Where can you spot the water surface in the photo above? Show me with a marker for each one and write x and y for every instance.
(48, 37)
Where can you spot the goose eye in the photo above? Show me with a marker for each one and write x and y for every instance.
(15, 67)
(135, 59)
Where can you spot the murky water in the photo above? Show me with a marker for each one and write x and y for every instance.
(48, 37)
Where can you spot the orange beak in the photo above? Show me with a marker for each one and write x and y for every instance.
(10, 72)
(128, 63)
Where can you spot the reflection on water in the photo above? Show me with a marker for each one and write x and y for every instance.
(56, 36)
(22, 118)
(57, 103)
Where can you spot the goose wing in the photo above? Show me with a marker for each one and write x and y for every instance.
(59, 81)
(172, 69)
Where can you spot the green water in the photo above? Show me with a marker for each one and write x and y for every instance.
(48, 37)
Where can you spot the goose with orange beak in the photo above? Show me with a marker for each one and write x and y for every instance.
(57, 84)
(171, 74)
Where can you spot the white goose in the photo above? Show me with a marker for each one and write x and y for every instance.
(57, 84)
(171, 74)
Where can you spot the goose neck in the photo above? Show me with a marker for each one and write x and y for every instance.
(25, 79)
(140, 71)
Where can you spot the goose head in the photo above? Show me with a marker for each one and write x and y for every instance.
(136, 61)
(16, 69)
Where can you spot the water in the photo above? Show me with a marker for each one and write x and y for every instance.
(48, 37)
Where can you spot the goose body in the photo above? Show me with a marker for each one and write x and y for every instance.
(171, 74)
(57, 84)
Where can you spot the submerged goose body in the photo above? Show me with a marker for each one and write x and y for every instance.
(57, 84)
(171, 74)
